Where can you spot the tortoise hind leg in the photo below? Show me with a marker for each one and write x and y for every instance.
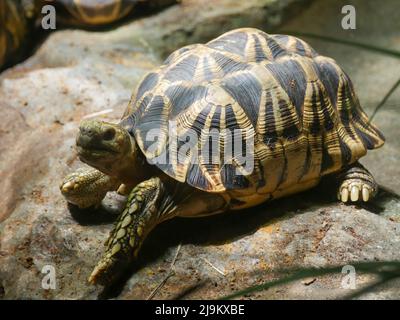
(356, 184)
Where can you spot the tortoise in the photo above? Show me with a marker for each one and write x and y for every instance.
(18, 18)
(93, 13)
(297, 107)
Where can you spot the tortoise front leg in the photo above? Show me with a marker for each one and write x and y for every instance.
(143, 210)
(87, 187)
(149, 203)
(356, 184)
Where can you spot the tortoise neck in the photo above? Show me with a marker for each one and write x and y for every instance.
(135, 167)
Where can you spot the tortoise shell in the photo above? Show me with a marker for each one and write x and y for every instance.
(15, 21)
(299, 108)
(94, 13)
(18, 17)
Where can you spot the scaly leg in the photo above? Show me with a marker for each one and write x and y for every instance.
(149, 203)
(87, 187)
(357, 183)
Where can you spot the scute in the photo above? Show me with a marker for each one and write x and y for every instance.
(299, 109)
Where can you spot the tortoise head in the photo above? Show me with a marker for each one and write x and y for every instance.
(107, 147)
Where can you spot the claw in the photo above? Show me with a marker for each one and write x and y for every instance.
(345, 194)
(365, 194)
(123, 190)
(354, 193)
(100, 271)
(106, 270)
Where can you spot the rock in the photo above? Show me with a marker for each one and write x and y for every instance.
(77, 74)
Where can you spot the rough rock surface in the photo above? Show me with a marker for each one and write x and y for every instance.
(75, 74)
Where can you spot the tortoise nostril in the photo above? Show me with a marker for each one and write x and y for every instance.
(86, 131)
(109, 134)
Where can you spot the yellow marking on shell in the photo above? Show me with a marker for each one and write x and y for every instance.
(184, 122)
(132, 242)
(291, 44)
(271, 158)
(115, 248)
(198, 72)
(212, 174)
(263, 44)
(249, 48)
(139, 198)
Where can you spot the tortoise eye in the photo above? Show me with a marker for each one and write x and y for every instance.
(109, 134)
